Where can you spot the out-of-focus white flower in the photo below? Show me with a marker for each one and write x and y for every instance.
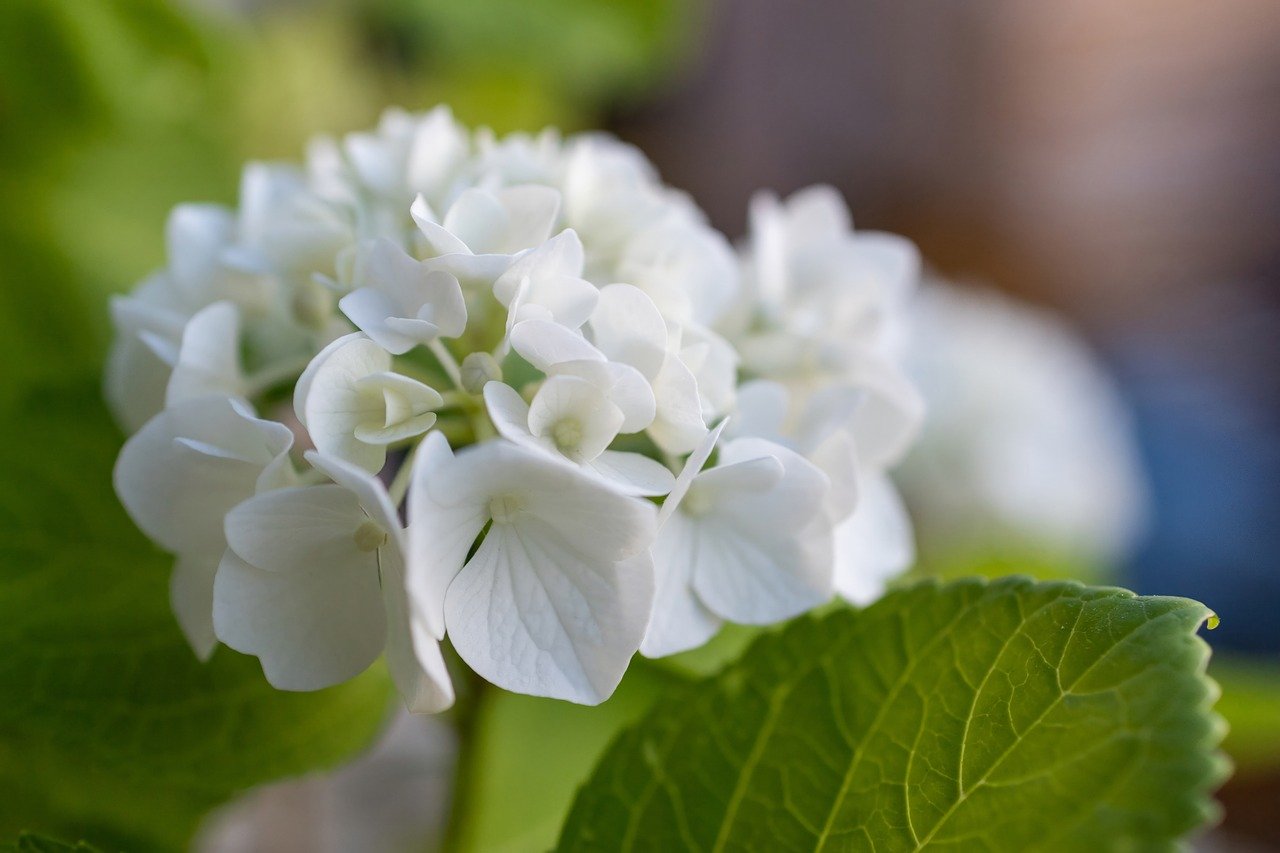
(353, 405)
(179, 476)
(408, 155)
(321, 604)
(555, 599)
(208, 359)
(546, 283)
(483, 230)
(1027, 440)
(402, 302)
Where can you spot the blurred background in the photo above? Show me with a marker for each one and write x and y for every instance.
(1114, 162)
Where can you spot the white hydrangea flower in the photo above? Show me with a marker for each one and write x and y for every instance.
(559, 351)
(403, 302)
(319, 605)
(353, 405)
(406, 156)
(571, 418)
(483, 230)
(179, 476)
(555, 599)
(745, 541)
(546, 283)
(418, 288)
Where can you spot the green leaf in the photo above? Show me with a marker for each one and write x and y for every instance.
(110, 728)
(1003, 716)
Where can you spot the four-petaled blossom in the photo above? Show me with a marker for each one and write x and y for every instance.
(402, 302)
(555, 598)
(353, 405)
(321, 604)
(745, 541)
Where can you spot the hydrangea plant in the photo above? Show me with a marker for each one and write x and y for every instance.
(512, 391)
(516, 396)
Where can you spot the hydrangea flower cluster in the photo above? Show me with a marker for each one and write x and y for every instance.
(514, 392)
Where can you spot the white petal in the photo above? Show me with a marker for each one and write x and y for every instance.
(594, 420)
(628, 327)
(602, 523)
(311, 629)
(544, 343)
(478, 219)
(297, 529)
(440, 535)
(413, 654)
(692, 467)
(766, 556)
(875, 544)
(837, 456)
(533, 614)
(622, 384)
(135, 383)
(819, 210)
(633, 473)
(890, 416)
(679, 621)
(562, 255)
(303, 385)
(761, 409)
(370, 309)
(180, 474)
(508, 411)
(191, 597)
(367, 488)
(730, 481)
(678, 425)
(336, 403)
(531, 212)
(441, 241)
(209, 357)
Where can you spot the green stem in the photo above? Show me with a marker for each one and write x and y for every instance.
(467, 709)
(447, 362)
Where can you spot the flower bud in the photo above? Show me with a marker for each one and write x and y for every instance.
(478, 369)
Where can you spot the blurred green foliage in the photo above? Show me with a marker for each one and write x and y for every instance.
(31, 843)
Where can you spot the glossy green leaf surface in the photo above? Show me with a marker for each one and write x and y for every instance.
(971, 716)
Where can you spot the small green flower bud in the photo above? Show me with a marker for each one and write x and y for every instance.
(478, 369)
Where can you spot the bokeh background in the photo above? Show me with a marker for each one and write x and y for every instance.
(1116, 162)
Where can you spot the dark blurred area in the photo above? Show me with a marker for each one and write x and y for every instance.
(1118, 162)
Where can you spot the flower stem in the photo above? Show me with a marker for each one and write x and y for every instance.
(400, 485)
(471, 690)
(447, 362)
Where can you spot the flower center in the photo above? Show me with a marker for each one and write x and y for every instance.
(370, 536)
(567, 434)
(504, 507)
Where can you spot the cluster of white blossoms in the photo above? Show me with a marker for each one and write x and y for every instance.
(514, 392)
